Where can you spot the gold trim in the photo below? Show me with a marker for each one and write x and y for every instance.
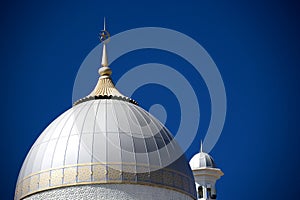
(113, 182)
(99, 173)
(105, 87)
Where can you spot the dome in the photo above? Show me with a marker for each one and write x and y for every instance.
(105, 147)
(202, 160)
(104, 141)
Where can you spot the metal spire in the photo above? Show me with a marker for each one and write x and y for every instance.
(104, 28)
(104, 61)
(105, 88)
(104, 37)
(201, 147)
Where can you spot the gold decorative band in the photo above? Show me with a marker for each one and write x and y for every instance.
(99, 173)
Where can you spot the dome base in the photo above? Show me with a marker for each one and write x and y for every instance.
(109, 192)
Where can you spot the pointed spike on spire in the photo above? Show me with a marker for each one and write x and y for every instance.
(201, 147)
(104, 24)
(104, 61)
(104, 37)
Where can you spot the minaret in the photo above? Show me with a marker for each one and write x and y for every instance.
(206, 174)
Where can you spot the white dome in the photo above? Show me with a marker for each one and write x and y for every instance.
(202, 160)
(105, 141)
(105, 147)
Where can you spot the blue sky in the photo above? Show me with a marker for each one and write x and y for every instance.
(255, 45)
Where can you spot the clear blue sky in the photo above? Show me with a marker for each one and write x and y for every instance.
(254, 43)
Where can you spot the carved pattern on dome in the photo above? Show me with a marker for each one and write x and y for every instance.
(143, 177)
(177, 180)
(84, 173)
(34, 183)
(185, 183)
(156, 176)
(56, 177)
(168, 178)
(128, 173)
(110, 192)
(99, 172)
(25, 186)
(70, 175)
(18, 191)
(113, 174)
(44, 180)
(96, 173)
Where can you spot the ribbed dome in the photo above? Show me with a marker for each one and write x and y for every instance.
(104, 141)
(105, 147)
(201, 160)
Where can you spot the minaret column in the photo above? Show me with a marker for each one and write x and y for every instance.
(205, 174)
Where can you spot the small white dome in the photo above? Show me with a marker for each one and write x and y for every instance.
(201, 160)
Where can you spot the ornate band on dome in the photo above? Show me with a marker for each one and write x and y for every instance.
(103, 173)
(122, 98)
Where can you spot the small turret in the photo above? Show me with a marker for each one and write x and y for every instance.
(206, 174)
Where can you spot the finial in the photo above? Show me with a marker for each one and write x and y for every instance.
(104, 28)
(104, 37)
(201, 147)
(105, 88)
